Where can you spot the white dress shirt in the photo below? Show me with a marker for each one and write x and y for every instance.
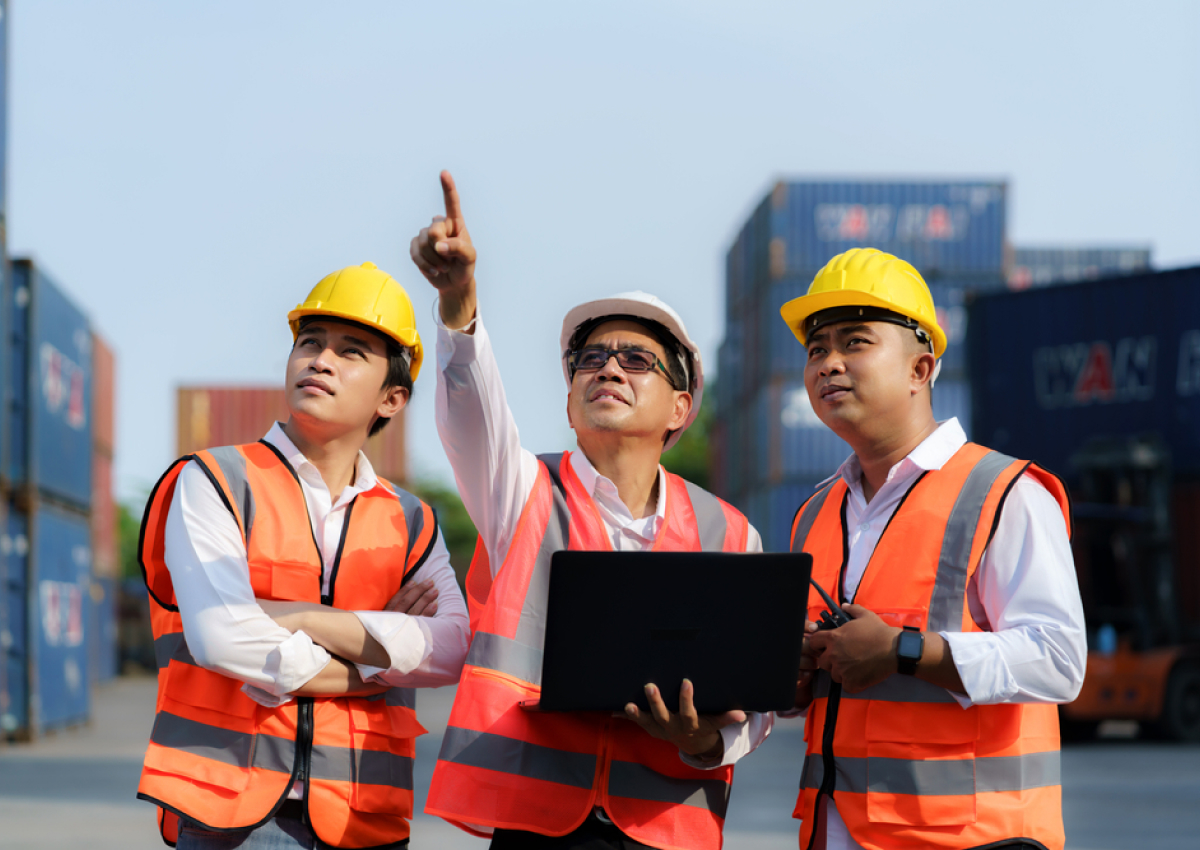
(495, 476)
(227, 631)
(1024, 593)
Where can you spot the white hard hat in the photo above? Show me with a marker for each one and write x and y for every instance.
(641, 305)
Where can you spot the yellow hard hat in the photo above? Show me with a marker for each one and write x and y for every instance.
(883, 287)
(370, 296)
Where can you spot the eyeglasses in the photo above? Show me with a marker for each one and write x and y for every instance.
(632, 360)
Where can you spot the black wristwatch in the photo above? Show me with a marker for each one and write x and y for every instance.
(910, 649)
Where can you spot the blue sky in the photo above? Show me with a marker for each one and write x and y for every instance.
(189, 170)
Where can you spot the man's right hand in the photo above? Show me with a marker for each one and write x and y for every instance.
(418, 599)
(445, 255)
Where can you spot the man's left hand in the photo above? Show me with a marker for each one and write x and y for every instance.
(697, 735)
(859, 654)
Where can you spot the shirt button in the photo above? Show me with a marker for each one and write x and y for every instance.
(865, 526)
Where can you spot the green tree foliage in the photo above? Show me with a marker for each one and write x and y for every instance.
(129, 523)
(456, 525)
(691, 457)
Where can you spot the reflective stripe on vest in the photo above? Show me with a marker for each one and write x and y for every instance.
(913, 768)
(243, 757)
(557, 765)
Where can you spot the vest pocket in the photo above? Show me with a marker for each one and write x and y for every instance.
(382, 761)
(920, 764)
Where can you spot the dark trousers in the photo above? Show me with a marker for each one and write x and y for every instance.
(593, 834)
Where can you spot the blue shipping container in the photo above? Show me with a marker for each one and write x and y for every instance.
(1045, 266)
(1119, 357)
(60, 595)
(50, 429)
(14, 624)
(103, 651)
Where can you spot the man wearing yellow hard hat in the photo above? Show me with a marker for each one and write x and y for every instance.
(298, 600)
(635, 380)
(931, 716)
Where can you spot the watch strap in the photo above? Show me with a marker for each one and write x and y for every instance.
(909, 650)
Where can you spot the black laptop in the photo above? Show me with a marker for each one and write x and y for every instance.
(732, 623)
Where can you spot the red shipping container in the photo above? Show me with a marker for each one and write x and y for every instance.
(103, 396)
(106, 556)
(226, 416)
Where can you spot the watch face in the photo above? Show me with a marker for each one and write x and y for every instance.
(910, 646)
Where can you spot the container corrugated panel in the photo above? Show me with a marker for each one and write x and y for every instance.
(16, 376)
(941, 227)
(1119, 357)
(226, 416)
(62, 567)
(105, 554)
(102, 630)
(14, 624)
(104, 389)
(1049, 265)
(783, 502)
(952, 398)
(51, 389)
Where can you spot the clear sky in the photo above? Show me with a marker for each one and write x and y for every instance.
(189, 170)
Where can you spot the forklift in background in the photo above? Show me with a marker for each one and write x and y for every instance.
(1136, 542)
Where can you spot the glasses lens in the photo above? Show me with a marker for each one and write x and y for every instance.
(636, 360)
(590, 359)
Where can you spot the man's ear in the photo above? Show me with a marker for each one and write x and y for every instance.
(923, 366)
(683, 407)
(394, 400)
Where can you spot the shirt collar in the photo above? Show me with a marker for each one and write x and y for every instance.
(932, 453)
(590, 478)
(364, 478)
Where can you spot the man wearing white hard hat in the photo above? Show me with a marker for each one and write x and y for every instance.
(635, 382)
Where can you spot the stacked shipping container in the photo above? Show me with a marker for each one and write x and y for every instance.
(1045, 266)
(225, 416)
(55, 627)
(770, 449)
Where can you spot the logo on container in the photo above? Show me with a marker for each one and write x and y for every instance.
(874, 222)
(62, 612)
(1084, 373)
(62, 386)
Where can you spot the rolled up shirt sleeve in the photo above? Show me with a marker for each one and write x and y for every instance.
(1026, 595)
(223, 625)
(424, 652)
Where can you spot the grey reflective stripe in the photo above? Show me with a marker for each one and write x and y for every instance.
(403, 697)
(509, 755)
(172, 646)
(809, 516)
(233, 467)
(949, 591)
(710, 519)
(938, 777)
(414, 515)
(899, 688)
(638, 782)
(362, 767)
(240, 749)
(506, 655)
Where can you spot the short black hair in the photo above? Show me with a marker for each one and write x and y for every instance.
(671, 346)
(398, 374)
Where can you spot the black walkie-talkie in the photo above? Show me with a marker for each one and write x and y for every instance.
(832, 618)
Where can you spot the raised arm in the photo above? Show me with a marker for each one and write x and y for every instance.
(478, 432)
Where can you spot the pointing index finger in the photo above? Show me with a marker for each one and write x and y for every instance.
(450, 194)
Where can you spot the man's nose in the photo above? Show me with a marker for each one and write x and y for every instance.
(611, 370)
(323, 361)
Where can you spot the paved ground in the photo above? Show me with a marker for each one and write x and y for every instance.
(76, 789)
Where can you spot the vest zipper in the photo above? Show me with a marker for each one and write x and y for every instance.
(304, 741)
(337, 558)
(603, 763)
(829, 774)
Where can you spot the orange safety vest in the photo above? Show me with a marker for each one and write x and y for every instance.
(906, 765)
(228, 763)
(503, 767)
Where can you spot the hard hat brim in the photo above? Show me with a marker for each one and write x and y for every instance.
(797, 311)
